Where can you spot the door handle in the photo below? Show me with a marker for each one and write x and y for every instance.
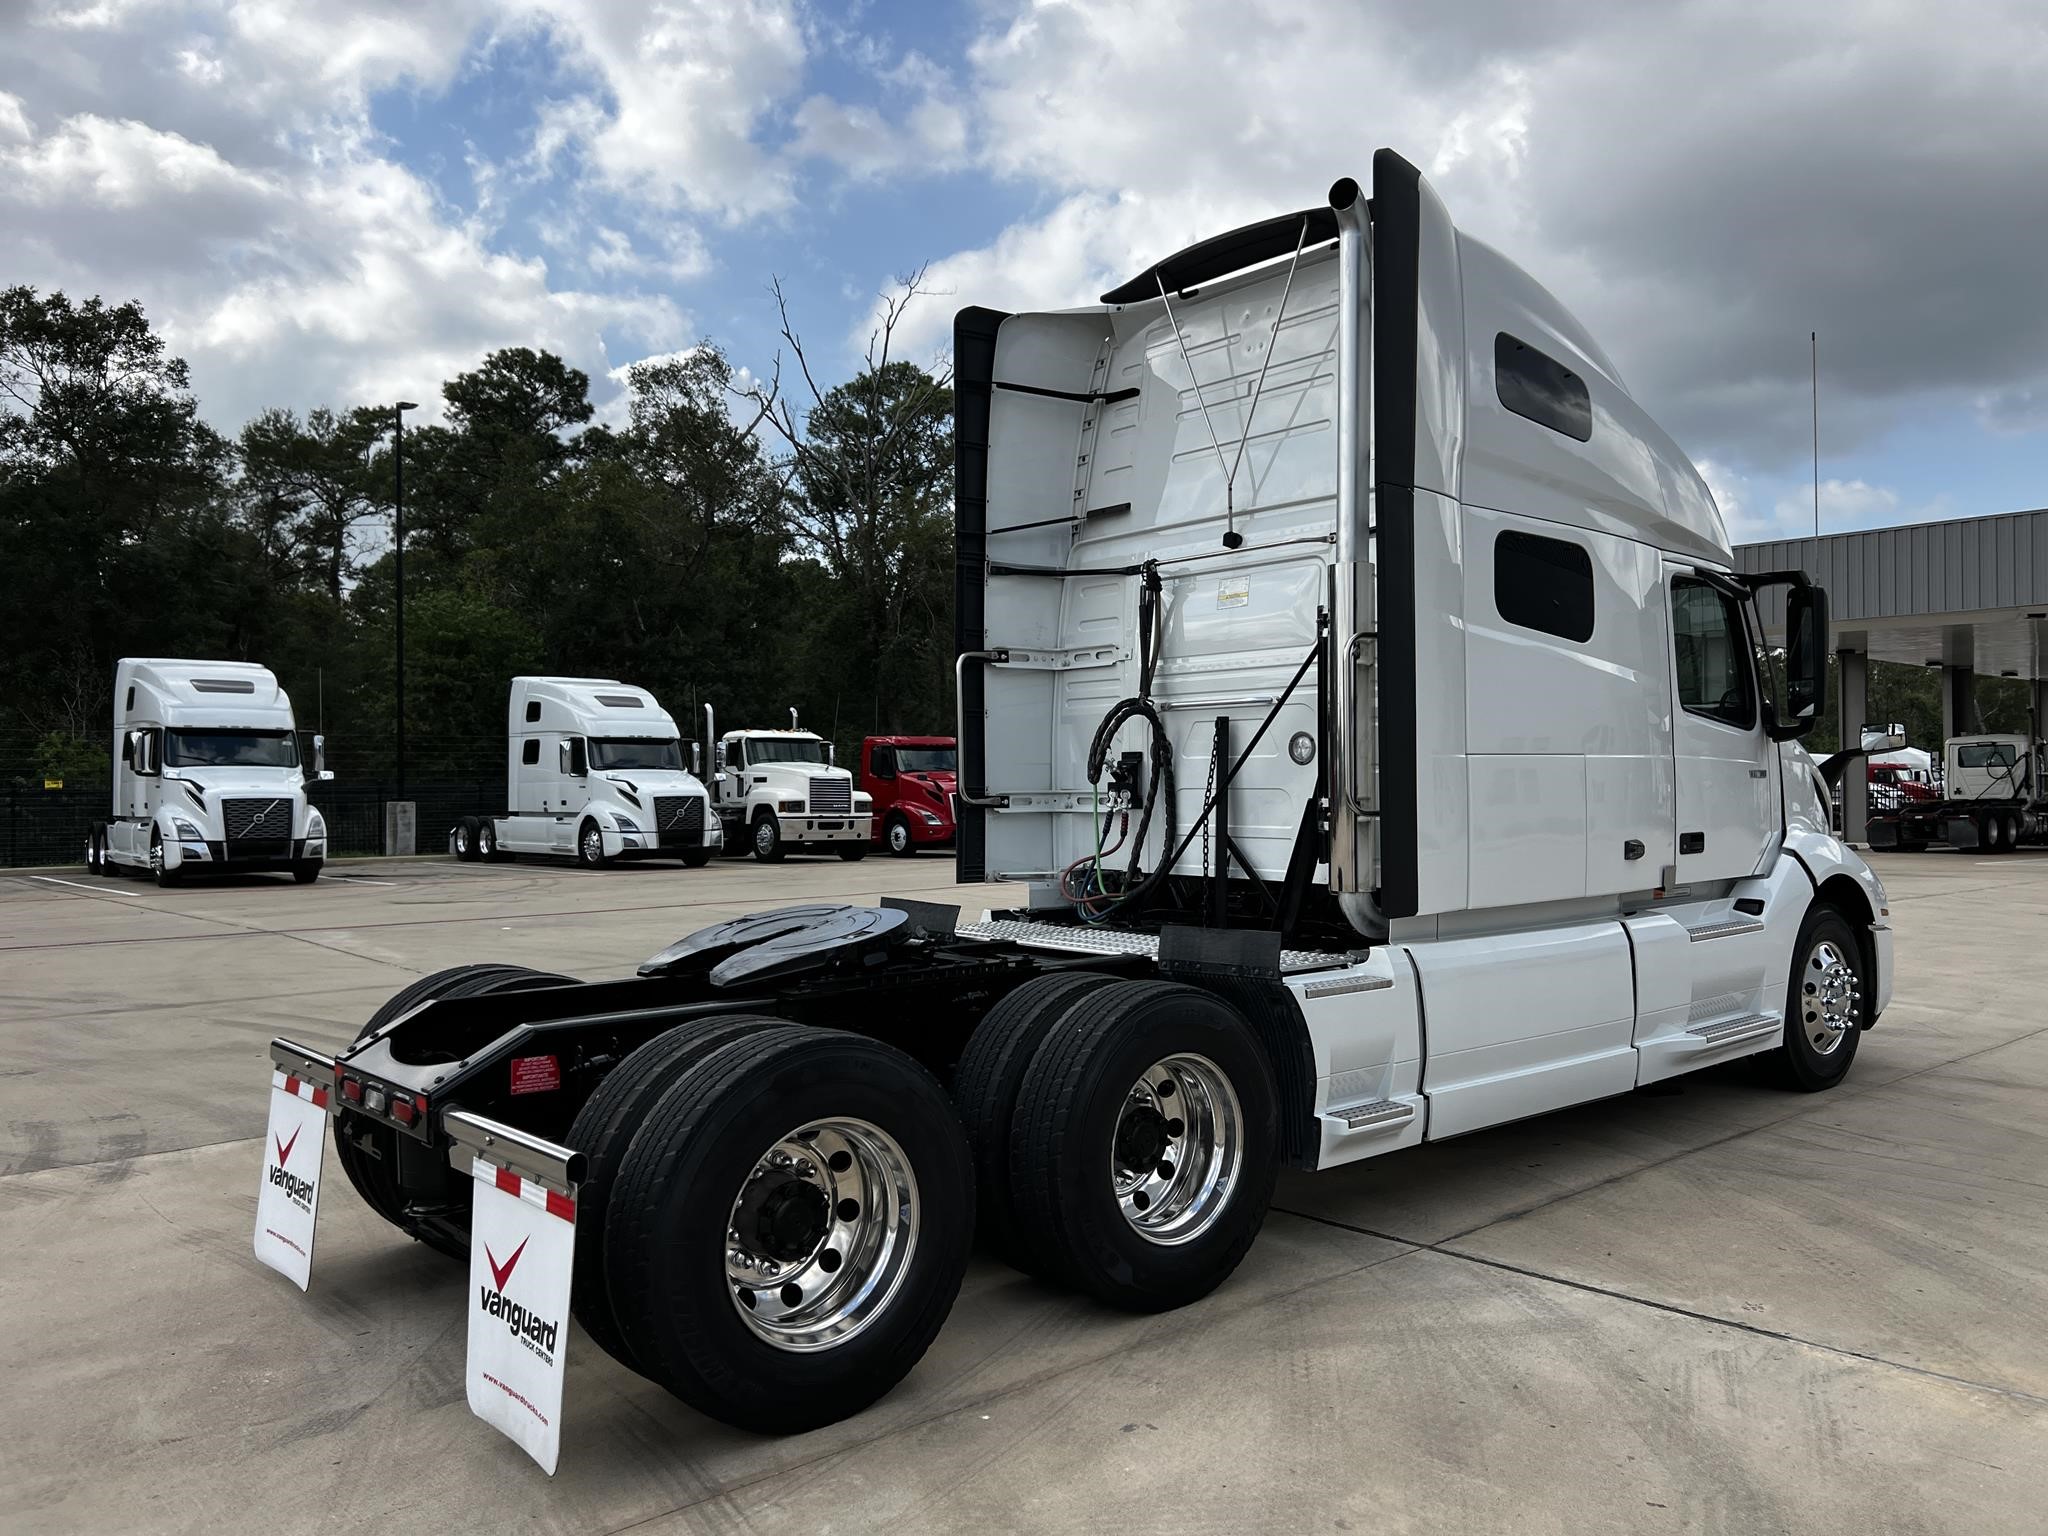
(1632, 849)
(1692, 842)
(1759, 773)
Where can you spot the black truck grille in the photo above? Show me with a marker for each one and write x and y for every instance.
(257, 829)
(831, 797)
(679, 820)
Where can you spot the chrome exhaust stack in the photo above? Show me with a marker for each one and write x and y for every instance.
(1352, 690)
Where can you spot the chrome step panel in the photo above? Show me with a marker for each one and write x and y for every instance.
(1726, 928)
(1727, 1031)
(1382, 1114)
(1075, 940)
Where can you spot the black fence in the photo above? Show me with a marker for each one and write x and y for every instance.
(50, 826)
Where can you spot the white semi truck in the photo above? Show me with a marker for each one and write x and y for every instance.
(1356, 685)
(778, 791)
(595, 771)
(1992, 800)
(207, 777)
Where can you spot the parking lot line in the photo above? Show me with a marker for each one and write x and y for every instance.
(53, 880)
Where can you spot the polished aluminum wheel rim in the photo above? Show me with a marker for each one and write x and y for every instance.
(462, 839)
(593, 845)
(156, 858)
(1830, 998)
(764, 836)
(899, 837)
(821, 1234)
(1177, 1150)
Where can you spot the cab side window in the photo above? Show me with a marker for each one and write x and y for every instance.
(1711, 648)
(529, 753)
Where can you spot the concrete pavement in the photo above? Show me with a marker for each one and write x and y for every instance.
(1722, 1308)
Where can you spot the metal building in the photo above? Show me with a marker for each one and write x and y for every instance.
(1969, 596)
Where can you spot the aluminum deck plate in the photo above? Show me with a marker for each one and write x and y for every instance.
(1106, 941)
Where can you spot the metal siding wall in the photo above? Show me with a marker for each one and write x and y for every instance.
(1921, 569)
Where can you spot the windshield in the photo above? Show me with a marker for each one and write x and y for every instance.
(1990, 754)
(924, 759)
(782, 749)
(625, 752)
(230, 749)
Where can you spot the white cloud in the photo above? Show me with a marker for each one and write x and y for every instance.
(14, 124)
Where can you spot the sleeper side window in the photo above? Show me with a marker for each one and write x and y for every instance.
(532, 711)
(529, 754)
(1544, 584)
(1536, 385)
(1710, 646)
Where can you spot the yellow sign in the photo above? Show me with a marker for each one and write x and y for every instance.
(53, 783)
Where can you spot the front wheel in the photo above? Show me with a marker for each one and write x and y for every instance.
(897, 836)
(790, 1227)
(306, 871)
(767, 839)
(1145, 1145)
(159, 870)
(697, 858)
(1825, 1003)
(853, 853)
(590, 846)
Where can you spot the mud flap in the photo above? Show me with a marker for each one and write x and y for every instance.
(522, 1250)
(288, 1198)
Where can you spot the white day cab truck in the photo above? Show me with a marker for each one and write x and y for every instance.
(781, 792)
(1354, 683)
(594, 771)
(207, 778)
(1992, 802)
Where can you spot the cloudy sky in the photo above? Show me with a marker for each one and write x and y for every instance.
(349, 200)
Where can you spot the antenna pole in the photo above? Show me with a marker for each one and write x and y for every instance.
(1813, 337)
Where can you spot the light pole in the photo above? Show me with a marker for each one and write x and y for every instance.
(398, 573)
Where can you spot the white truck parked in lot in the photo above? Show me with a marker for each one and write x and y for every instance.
(594, 771)
(781, 790)
(1355, 682)
(206, 775)
(1992, 799)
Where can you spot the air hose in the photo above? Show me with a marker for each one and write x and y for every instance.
(1159, 790)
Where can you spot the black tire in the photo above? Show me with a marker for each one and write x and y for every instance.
(2012, 832)
(604, 1130)
(897, 839)
(486, 837)
(305, 871)
(696, 858)
(372, 1169)
(673, 1205)
(95, 850)
(764, 836)
(1070, 1121)
(590, 845)
(465, 840)
(852, 853)
(985, 1085)
(1806, 1060)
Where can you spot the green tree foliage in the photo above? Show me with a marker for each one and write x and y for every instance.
(669, 548)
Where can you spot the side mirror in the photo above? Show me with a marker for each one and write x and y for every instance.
(1883, 738)
(320, 759)
(696, 760)
(831, 754)
(1806, 662)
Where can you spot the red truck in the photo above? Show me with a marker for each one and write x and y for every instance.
(912, 780)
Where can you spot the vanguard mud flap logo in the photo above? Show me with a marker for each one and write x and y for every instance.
(522, 1248)
(529, 1328)
(288, 1198)
(299, 1191)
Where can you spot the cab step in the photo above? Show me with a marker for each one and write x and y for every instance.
(1728, 1031)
